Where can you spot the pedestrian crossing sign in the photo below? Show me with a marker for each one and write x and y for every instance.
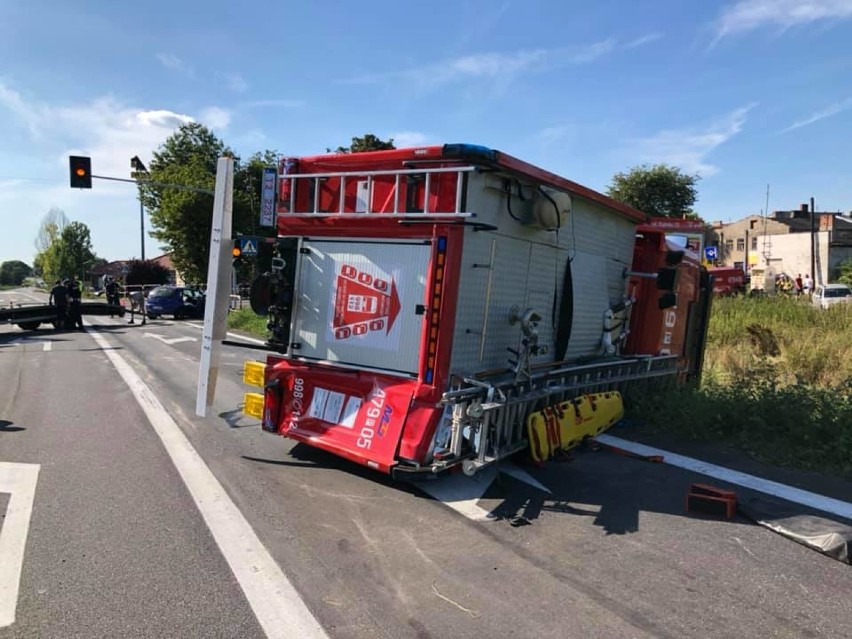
(249, 246)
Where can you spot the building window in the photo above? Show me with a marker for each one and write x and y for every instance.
(729, 246)
(741, 244)
(754, 244)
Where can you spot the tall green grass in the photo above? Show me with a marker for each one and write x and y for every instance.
(245, 320)
(777, 383)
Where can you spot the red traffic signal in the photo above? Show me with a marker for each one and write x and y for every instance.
(81, 172)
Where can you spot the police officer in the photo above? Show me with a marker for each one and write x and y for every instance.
(75, 297)
(59, 298)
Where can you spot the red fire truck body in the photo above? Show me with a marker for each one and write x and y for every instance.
(427, 300)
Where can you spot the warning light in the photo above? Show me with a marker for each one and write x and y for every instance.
(81, 172)
(237, 253)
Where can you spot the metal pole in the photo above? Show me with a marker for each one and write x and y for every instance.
(813, 234)
(142, 225)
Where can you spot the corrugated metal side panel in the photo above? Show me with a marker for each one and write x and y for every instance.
(474, 279)
(525, 270)
(358, 301)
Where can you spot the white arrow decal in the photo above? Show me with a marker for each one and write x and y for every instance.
(19, 480)
(173, 340)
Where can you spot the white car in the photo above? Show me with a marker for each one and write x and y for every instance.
(831, 294)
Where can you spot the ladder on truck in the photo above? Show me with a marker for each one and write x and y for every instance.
(489, 419)
(368, 179)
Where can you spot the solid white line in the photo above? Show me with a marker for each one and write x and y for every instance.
(460, 492)
(276, 604)
(796, 495)
(232, 335)
(19, 480)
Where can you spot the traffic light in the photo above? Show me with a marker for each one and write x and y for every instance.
(81, 172)
(237, 253)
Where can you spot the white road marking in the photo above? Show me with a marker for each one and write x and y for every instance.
(48, 346)
(19, 480)
(796, 495)
(172, 340)
(462, 493)
(276, 604)
(232, 335)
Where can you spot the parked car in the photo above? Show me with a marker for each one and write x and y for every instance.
(178, 301)
(831, 294)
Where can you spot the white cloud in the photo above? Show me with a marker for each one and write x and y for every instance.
(747, 15)
(502, 66)
(171, 61)
(553, 134)
(688, 148)
(283, 102)
(406, 139)
(215, 118)
(832, 109)
(236, 82)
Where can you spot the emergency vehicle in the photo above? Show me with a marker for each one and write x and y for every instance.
(425, 302)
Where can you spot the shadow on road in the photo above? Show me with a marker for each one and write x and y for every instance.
(8, 427)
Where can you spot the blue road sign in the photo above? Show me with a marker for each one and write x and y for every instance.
(248, 245)
(710, 253)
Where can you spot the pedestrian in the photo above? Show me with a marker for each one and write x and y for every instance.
(799, 285)
(137, 304)
(59, 298)
(112, 292)
(75, 299)
(807, 284)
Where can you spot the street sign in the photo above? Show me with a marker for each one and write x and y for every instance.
(267, 197)
(248, 246)
(710, 253)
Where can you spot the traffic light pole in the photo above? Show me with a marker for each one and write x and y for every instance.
(181, 187)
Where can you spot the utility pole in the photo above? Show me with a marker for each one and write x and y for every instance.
(813, 237)
(138, 170)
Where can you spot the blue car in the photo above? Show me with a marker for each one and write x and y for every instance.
(177, 301)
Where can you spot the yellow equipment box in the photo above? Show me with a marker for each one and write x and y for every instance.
(564, 426)
(253, 404)
(253, 373)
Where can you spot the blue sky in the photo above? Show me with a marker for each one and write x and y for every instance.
(745, 92)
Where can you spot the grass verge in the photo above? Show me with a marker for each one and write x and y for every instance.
(777, 384)
(245, 320)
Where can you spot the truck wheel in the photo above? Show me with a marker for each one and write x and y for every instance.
(29, 326)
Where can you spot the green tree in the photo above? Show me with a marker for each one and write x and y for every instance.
(182, 220)
(14, 272)
(843, 272)
(146, 272)
(75, 255)
(47, 243)
(368, 142)
(659, 190)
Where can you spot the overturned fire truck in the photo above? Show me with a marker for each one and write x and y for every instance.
(428, 305)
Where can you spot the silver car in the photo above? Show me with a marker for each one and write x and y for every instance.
(831, 294)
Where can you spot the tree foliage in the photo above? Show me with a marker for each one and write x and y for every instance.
(146, 272)
(659, 190)
(367, 142)
(843, 272)
(14, 272)
(181, 219)
(64, 248)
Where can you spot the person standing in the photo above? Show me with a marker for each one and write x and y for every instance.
(807, 285)
(59, 298)
(112, 292)
(75, 299)
(799, 285)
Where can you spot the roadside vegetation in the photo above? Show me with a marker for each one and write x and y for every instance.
(777, 384)
(245, 320)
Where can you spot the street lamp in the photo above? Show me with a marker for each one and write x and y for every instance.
(139, 170)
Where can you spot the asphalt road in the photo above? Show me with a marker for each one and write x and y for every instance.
(117, 547)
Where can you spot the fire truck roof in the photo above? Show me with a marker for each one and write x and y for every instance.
(474, 154)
